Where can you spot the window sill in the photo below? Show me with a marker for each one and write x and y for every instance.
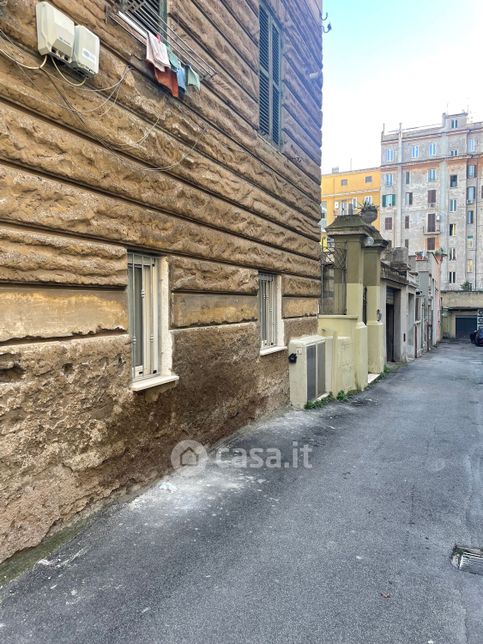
(150, 383)
(270, 350)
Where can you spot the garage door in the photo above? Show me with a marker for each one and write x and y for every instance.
(464, 326)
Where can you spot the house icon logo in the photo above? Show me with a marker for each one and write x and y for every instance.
(190, 456)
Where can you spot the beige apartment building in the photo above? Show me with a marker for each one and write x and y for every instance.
(431, 195)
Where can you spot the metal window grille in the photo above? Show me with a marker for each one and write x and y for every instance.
(141, 16)
(268, 310)
(270, 109)
(143, 304)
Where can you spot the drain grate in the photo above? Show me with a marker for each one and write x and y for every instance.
(468, 559)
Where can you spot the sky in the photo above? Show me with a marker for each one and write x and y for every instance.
(396, 61)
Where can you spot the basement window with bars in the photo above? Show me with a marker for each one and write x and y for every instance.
(270, 76)
(270, 311)
(148, 297)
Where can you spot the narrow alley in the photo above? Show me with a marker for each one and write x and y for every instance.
(355, 548)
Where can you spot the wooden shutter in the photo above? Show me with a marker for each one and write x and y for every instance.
(431, 223)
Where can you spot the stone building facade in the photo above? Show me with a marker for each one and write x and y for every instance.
(189, 202)
(431, 194)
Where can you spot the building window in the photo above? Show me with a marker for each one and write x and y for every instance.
(270, 310)
(452, 254)
(388, 201)
(270, 76)
(150, 15)
(470, 194)
(388, 223)
(343, 182)
(148, 306)
(431, 228)
(431, 243)
(368, 179)
(454, 124)
(452, 277)
(470, 217)
(470, 242)
(368, 200)
(388, 179)
(408, 178)
(431, 197)
(414, 151)
(471, 171)
(432, 149)
(452, 230)
(389, 155)
(409, 198)
(471, 146)
(432, 174)
(406, 243)
(453, 153)
(406, 222)
(469, 266)
(453, 181)
(452, 205)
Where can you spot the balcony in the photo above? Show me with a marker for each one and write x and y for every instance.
(432, 230)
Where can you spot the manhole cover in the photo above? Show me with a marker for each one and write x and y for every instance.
(468, 559)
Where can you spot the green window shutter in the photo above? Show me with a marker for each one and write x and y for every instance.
(270, 55)
(393, 200)
(264, 73)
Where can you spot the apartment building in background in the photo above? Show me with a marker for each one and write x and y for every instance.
(344, 192)
(431, 195)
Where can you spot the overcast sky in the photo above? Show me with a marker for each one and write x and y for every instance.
(392, 61)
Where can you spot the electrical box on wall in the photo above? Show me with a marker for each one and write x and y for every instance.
(55, 32)
(86, 51)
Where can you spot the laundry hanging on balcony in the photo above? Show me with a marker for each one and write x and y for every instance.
(157, 53)
(192, 78)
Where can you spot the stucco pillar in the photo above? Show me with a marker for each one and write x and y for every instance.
(375, 326)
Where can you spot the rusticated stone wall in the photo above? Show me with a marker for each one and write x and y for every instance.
(77, 192)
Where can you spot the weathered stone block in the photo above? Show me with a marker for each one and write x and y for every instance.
(52, 313)
(192, 309)
(297, 307)
(33, 256)
(189, 274)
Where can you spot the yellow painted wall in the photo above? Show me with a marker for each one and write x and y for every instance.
(356, 188)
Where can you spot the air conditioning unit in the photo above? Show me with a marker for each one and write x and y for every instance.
(310, 369)
(438, 217)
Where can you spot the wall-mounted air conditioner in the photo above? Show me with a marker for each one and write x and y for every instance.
(310, 368)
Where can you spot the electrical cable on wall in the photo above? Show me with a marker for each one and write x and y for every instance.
(80, 114)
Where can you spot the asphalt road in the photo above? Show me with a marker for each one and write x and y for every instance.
(354, 549)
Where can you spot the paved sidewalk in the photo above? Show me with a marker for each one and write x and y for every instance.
(354, 549)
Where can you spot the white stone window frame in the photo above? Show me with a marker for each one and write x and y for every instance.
(272, 332)
(432, 149)
(415, 152)
(156, 365)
